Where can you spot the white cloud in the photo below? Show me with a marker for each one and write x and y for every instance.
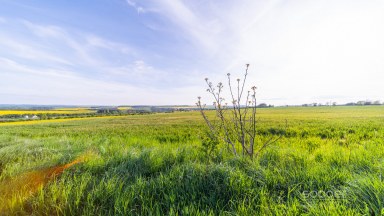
(83, 72)
(27, 50)
(10, 66)
(53, 87)
(144, 75)
(64, 87)
(54, 48)
(138, 8)
(299, 51)
(84, 48)
(306, 50)
(198, 30)
(98, 42)
(83, 54)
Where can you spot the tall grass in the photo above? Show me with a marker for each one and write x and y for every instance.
(154, 165)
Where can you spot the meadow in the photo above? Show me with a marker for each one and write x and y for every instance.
(330, 161)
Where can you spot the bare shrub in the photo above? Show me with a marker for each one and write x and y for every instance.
(235, 124)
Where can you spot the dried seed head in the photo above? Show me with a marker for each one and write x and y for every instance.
(199, 97)
(206, 79)
(238, 80)
(247, 65)
(228, 74)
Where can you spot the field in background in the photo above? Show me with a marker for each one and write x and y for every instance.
(52, 111)
(51, 121)
(330, 161)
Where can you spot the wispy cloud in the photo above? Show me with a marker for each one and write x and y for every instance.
(98, 42)
(45, 82)
(82, 48)
(54, 32)
(10, 66)
(189, 22)
(66, 87)
(84, 64)
(194, 27)
(26, 50)
(299, 51)
(138, 8)
(88, 48)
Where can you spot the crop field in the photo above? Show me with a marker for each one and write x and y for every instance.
(330, 161)
(52, 111)
(50, 121)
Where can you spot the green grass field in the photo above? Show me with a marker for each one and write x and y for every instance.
(330, 162)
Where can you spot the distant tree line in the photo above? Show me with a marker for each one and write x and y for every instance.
(364, 103)
(264, 105)
(137, 110)
(358, 103)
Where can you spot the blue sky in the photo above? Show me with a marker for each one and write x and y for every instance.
(113, 52)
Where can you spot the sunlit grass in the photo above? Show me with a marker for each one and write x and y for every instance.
(154, 165)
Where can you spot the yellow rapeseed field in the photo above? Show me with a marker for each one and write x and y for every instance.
(57, 111)
(52, 120)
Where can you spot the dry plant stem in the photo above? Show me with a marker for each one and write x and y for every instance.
(240, 118)
(201, 108)
(222, 119)
(238, 127)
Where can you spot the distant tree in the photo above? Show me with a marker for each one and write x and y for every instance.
(350, 104)
(377, 102)
(43, 116)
